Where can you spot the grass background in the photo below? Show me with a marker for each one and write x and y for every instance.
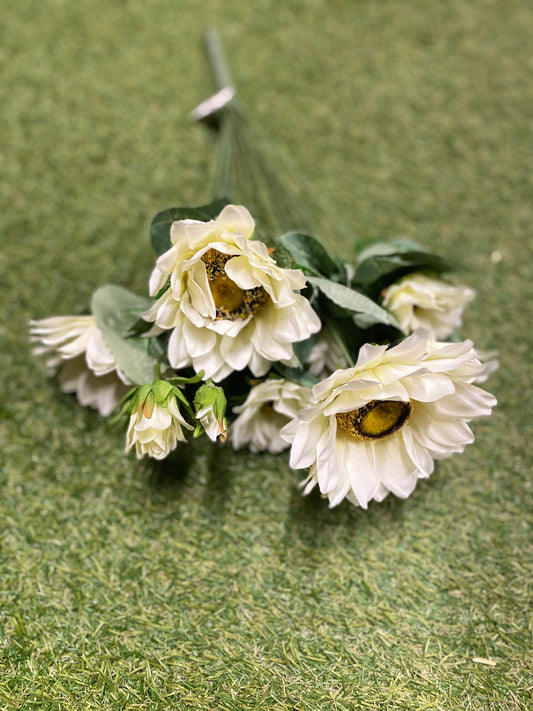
(212, 584)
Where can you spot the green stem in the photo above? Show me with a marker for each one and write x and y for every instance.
(178, 380)
(157, 368)
(333, 327)
(217, 59)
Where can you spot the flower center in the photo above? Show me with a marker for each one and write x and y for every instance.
(231, 301)
(376, 419)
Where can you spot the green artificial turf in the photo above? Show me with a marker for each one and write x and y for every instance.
(209, 583)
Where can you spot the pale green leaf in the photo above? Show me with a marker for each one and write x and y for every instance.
(352, 300)
(116, 310)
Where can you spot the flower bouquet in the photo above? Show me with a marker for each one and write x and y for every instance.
(275, 343)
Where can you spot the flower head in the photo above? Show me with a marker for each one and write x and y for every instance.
(420, 301)
(227, 302)
(378, 427)
(156, 424)
(269, 406)
(86, 365)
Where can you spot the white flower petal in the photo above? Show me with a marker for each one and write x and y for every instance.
(326, 460)
(258, 364)
(198, 340)
(236, 218)
(101, 393)
(419, 455)
(98, 356)
(364, 482)
(236, 352)
(263, 338)
(304, 444)
(200, 297)
(178, 355)
(212, 363)
(397, 471)
(427, 387)
(238, 269)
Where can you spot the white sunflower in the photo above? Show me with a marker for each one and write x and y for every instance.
(227, 302)
(269, 406)
(420, 301)
(378, 427)
(77, 349)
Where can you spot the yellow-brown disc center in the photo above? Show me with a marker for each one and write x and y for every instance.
(376, 419)
(226, 294)
(231, 301)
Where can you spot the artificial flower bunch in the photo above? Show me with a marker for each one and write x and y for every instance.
(355, 369)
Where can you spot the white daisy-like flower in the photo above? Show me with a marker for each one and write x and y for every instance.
(378, 427)
(227, 302)
(76, 347)
(269, 406)
(155, 429)
(419, 301)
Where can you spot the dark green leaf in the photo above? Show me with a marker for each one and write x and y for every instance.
(116, 310)
(383, 249)
(388, 267)
(160, 227)
(139, 328)
(374, 269)
(309, 253)
(430, 262)
(352, 301)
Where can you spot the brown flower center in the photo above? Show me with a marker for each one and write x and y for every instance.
(231, 301)
(376, 419)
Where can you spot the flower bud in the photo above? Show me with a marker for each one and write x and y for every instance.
(210, 407)
(156, 424)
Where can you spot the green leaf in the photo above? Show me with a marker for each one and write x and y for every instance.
(390, 266)
(381, 249)
(352, 301)
(160, 226)
(161, 390)
(374, 269)
(309, 253)
(116, 310)
(140, 395)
